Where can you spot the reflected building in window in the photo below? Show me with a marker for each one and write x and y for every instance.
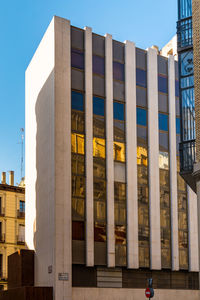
(107, 126)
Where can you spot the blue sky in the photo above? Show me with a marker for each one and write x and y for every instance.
(22, 25)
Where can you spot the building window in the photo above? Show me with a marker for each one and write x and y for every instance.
(98, 65)
(21, 235)
(22, 206)
(77, 101)
(177, 88)
(77, 59)
(177, 125)
(141, 116)
(162, 84)
(163, 122)
(78, 230)
(1, 266)
(118, 71)
(98, 106)
(141, 78)
(118, 109)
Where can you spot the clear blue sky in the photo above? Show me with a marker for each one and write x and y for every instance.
(22, 25)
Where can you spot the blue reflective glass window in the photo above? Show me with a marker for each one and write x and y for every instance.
(77, 101)
(22, 206)
(163, 122)
(98, 106)
(162, 84)
(118, 109)
(141, 78)
(118, 71)
(98, 65)
(176, 88)
(178, 126)
(141, 116)
(77, 59)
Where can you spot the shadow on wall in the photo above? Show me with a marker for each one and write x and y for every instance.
(43, 225)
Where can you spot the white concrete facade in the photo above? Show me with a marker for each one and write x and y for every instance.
(131, 156)
(153, 158)
(109, 152)
(48, 164)
(173, 162)
(89, 149)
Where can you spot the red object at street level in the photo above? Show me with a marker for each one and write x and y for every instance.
(148, 292)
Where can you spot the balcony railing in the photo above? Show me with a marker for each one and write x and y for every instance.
(20, 240)
(184, 32)
(20, 214)
(187, 155)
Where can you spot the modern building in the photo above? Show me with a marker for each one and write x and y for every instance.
(187, 107)
(107, 207)
(12, 222)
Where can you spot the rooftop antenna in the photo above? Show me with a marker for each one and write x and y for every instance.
(22, 150)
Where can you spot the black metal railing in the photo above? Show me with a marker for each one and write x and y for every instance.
(187, 155)
(20, 214)
(184, 33)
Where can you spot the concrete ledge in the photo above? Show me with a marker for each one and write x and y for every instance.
(28, 293)
(131, 294)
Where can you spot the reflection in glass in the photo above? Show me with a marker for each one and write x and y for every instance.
(143, 207)
(142, 156)
(118, 111)
(162, 84)
(99, 167)
(99, 232)
(78, 121)
(120, 234)
(164, 160)
(77, 141)
(100, 211)
(78, 164)
(119, 151)
(98, 126)
(120, 213)
(120, 255)
(163, 122)
(77, 101)
(78, 186)
(119, 131)
(78, 209)
(98, 106)
(141, 78)
(165, 218)
(98, 65)
(99, 147)
(99, 189)
(120, 191)
(141, 116)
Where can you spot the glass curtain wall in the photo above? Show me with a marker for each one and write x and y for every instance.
(143, 190)
(78, 165)
(119, 187)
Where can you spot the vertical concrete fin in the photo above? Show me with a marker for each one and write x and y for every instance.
(89, 148)
(62, 135)
(192, 231)
(131, 155)
(153, 154)
(109, 151)
(173, 163)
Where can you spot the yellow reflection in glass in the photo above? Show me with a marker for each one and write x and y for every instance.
(99, 147)
(164, 160)
(119, 151)
(142, 156)
(77, 141)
